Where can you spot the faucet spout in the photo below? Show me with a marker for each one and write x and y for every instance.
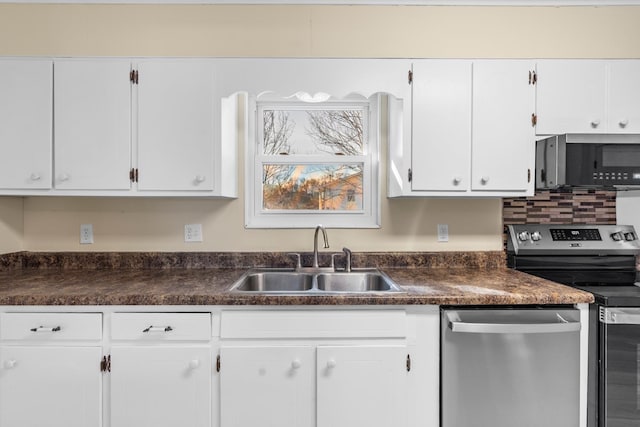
(315, 244)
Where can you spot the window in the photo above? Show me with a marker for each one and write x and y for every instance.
(313, 162)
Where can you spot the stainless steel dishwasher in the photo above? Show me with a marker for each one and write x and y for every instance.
(510, 367)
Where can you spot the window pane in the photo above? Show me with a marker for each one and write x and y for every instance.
(312, 187)
(313, 131)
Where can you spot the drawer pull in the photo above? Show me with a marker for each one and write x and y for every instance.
(158, 329)
(44, 329)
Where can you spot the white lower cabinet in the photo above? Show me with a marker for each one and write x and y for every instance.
(160, 370)
(49, 373)
(160, 386)
(219, 367)
(362, 386)
(277, 382)
(50, 386)
(326, 368)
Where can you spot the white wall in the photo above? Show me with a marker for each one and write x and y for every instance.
(52, 224)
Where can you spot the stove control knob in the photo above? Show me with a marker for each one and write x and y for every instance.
(616, 236)
(535, 236)
(630, 236)
(523, 236)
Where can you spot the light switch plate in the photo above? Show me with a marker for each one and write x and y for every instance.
(443, 232)
(193, 233)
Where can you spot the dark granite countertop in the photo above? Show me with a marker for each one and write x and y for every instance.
(439, 279)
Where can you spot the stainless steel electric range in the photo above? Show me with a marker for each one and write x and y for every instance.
(600, 259)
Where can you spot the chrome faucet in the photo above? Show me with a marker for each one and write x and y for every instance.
(315, 244)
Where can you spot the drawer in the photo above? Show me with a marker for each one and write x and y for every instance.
(314, 324)
(51, 327)
(161, 326)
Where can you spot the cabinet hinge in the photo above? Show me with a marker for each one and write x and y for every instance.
(133, 76)
(410, 175)
(534, 119)
(410, 77)
(408, 363)
(105, 364)
(528, 175)
(533, 77)
(133, 175)
(218, 363)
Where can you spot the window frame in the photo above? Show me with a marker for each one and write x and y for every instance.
(257, 217)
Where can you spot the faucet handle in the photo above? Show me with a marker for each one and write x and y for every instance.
(298, 261)
(348, 254)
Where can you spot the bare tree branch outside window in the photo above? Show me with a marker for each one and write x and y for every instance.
(337, 131)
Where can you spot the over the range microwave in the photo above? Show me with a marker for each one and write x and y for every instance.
(588, 161)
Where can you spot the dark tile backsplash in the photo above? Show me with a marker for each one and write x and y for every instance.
(565, 206)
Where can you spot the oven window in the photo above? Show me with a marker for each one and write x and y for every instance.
(618, 155)
(622, 375)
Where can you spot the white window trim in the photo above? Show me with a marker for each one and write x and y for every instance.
(369, 217)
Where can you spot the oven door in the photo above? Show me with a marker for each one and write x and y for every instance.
(620, 367)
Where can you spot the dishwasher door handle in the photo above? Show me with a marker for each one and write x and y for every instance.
(457, 325)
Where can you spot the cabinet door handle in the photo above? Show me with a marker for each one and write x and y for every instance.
(64, 177)
(457, 180)
(200, 179)
(193, 364)
(10, 364)
(35, 177)
(46, 329)
(484, 179)
(595, 123)
(331, 363)
(152, 328)
(296, 364)
(623, 123)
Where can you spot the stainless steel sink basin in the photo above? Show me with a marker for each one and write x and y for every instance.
(355, 282)
(297, 282)
(272, 281)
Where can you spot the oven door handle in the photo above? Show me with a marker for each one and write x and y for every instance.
(456, 325)
(620, 316)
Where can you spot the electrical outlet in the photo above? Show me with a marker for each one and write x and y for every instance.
(193, 233)
(86, 234)
(443, 232)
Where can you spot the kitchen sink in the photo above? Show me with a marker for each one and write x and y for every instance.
(296, 282)
(355, 282)
(272, 281)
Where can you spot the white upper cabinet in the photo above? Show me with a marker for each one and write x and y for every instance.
(92, 124)
(571, 97)
(624, 97)
(471, 130)
(588, 96)
(503, 136)
(25, 124)
(441, 115)
(117, 127)
(176, 125)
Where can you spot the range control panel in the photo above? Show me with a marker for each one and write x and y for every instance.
(547, 239)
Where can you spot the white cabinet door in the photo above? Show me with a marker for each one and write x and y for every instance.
(267, 386)
(503, 141)
(50, 386)
(26, 91)
(441, 117)
(362, 386)
(92, 105)
(161, 386)
(624, 96)
(571, 96)
(176, 125)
